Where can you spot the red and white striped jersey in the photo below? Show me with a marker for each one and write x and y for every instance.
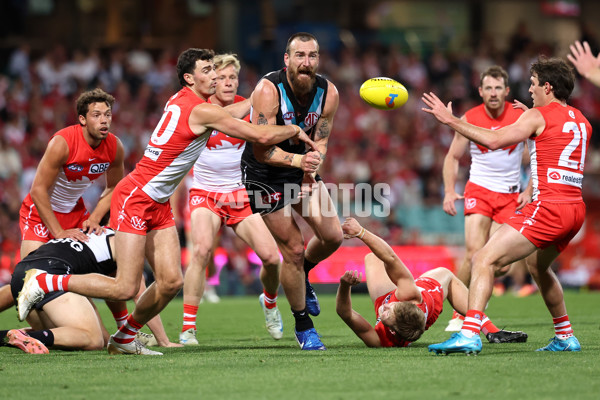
(218, 167)
(173, 148)
(84, 165)
(558, 154)
(495, 170)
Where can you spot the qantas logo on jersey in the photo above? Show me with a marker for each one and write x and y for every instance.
(563, 177)
(99, 168)
(152, 153)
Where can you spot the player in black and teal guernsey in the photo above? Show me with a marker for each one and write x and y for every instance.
(273, 175)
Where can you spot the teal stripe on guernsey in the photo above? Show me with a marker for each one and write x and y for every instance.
(286, 104)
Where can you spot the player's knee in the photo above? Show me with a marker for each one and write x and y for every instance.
(481, 259)
(295, 254)
(94, 341)
(126, 291)
(171, 286)
(201, 252)
(270, 260)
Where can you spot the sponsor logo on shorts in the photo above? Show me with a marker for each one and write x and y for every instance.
(196, 200)
(40, 230)
(271, 198)
(152, 153)
(563, 177)
(529, 221)
(75, 167)
(138, 223)
(470, 203)
(99, 168)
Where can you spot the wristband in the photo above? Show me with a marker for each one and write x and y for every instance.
(297, 161)
(361, 233)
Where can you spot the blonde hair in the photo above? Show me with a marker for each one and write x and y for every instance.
(225, 60)
(409, 321)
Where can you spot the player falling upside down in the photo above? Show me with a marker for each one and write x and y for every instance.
(140, 210)
(404, 307)
(558, 137)
(218, 197)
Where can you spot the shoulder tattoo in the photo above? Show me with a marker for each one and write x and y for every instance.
(262, 120)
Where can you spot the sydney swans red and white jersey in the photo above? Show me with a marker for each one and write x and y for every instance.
(558, 154)
(218, 167)
(173, 148)
(84, 165)
(495, 170)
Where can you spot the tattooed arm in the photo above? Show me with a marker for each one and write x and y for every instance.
(325, 123)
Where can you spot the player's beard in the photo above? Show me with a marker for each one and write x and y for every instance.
(302, 86)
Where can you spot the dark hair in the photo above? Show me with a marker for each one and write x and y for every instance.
(557, 73)
(303, 36)
(496, 72)
(187, 62)
(90, 97)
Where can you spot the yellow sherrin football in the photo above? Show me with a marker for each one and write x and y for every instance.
(383, 93)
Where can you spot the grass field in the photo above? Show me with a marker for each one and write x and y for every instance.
(237, 359)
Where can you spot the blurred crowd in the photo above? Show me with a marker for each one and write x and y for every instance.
(404, 148)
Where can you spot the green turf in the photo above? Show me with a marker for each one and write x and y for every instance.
(238, 360)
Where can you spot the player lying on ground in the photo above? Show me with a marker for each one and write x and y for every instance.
(68, 320)
(404, 307)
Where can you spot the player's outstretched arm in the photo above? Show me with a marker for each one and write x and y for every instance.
(211, 116)
(239, 109)
(343, 306)
(530, 122)
(52, 161)
(584, 61)
(394, 267)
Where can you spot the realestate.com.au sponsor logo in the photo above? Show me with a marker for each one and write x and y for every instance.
(329, 200)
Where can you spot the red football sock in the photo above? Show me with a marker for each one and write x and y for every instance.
(189, 317)
(455, 315)
(53, 283)
(120, 317)
(562, 327)
(472, 324)
(127, 332)
(488, 326)
(270, 299)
